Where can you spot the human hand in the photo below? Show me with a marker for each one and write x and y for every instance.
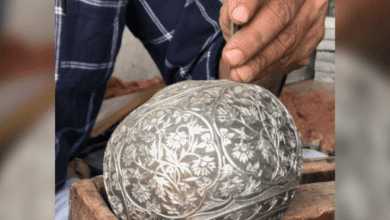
(277, 37)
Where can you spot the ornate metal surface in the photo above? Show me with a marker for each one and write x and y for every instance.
(204, 150)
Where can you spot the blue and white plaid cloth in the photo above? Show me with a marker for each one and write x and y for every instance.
(182, 36)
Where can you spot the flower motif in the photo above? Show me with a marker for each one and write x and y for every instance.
(177, 139)
(253, 168)
(105, 171)
(238, 89)
(207, 142)
(231, 187)
(291, 142)
(180, 115)
(243, 152)
(263, 143)
(160, 113)
(153, 206)
(131, 137)
(141, 192)
(225, 116)
(115, 181)
(226, 136)
(116, 203)
(129, 154)
(201, 191)
(131, 209)
(202, 166)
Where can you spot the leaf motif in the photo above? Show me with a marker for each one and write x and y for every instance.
(178, 119)
(160, 119)
(163, 181)
(210, 148)
(140, 162)
(160, 151)
(245, 111)
(249, 167)
(186, 116)
(262, 115)
(201, 145)
(273, 121)
(171, 210)
(196, 128)
(145, 174)
(241, 132)
(167, 123)
(182, 153)
(207, 158)
(174, 198)
(170, 170)
(184, 168)
(254, 112)
(193, 178)
(227, 170)
(170, 155)
(230, 93)
(199, 183)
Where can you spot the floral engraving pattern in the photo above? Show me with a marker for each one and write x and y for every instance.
(198, 146)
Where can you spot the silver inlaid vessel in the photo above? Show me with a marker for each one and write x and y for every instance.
(204, 150)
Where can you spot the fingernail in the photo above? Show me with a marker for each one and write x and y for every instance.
(234, 56)
(240, 14)
(244, 73)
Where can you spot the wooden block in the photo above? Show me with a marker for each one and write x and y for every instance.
(324, 77)
(329, 45)
(87, 203)
(325, 56)
(324, 66)
(318, 171)
(314, 201)
(330, 22)
(330, 34)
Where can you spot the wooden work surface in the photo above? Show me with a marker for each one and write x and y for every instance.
(312, 201)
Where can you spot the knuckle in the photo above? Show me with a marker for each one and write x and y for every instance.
(259, 63)
(287, 40)
(322, 4)
(281, 10)
(284, 60)
(304, 62)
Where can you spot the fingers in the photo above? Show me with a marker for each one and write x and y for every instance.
(310, 41)
(272, 17)
(241, 11)
(224, 21)
(298, 58)
(276, 51)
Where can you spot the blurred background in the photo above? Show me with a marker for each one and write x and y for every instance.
(27, 108)
(362, 109)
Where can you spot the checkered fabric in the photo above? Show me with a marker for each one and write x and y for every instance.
(182, 36)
